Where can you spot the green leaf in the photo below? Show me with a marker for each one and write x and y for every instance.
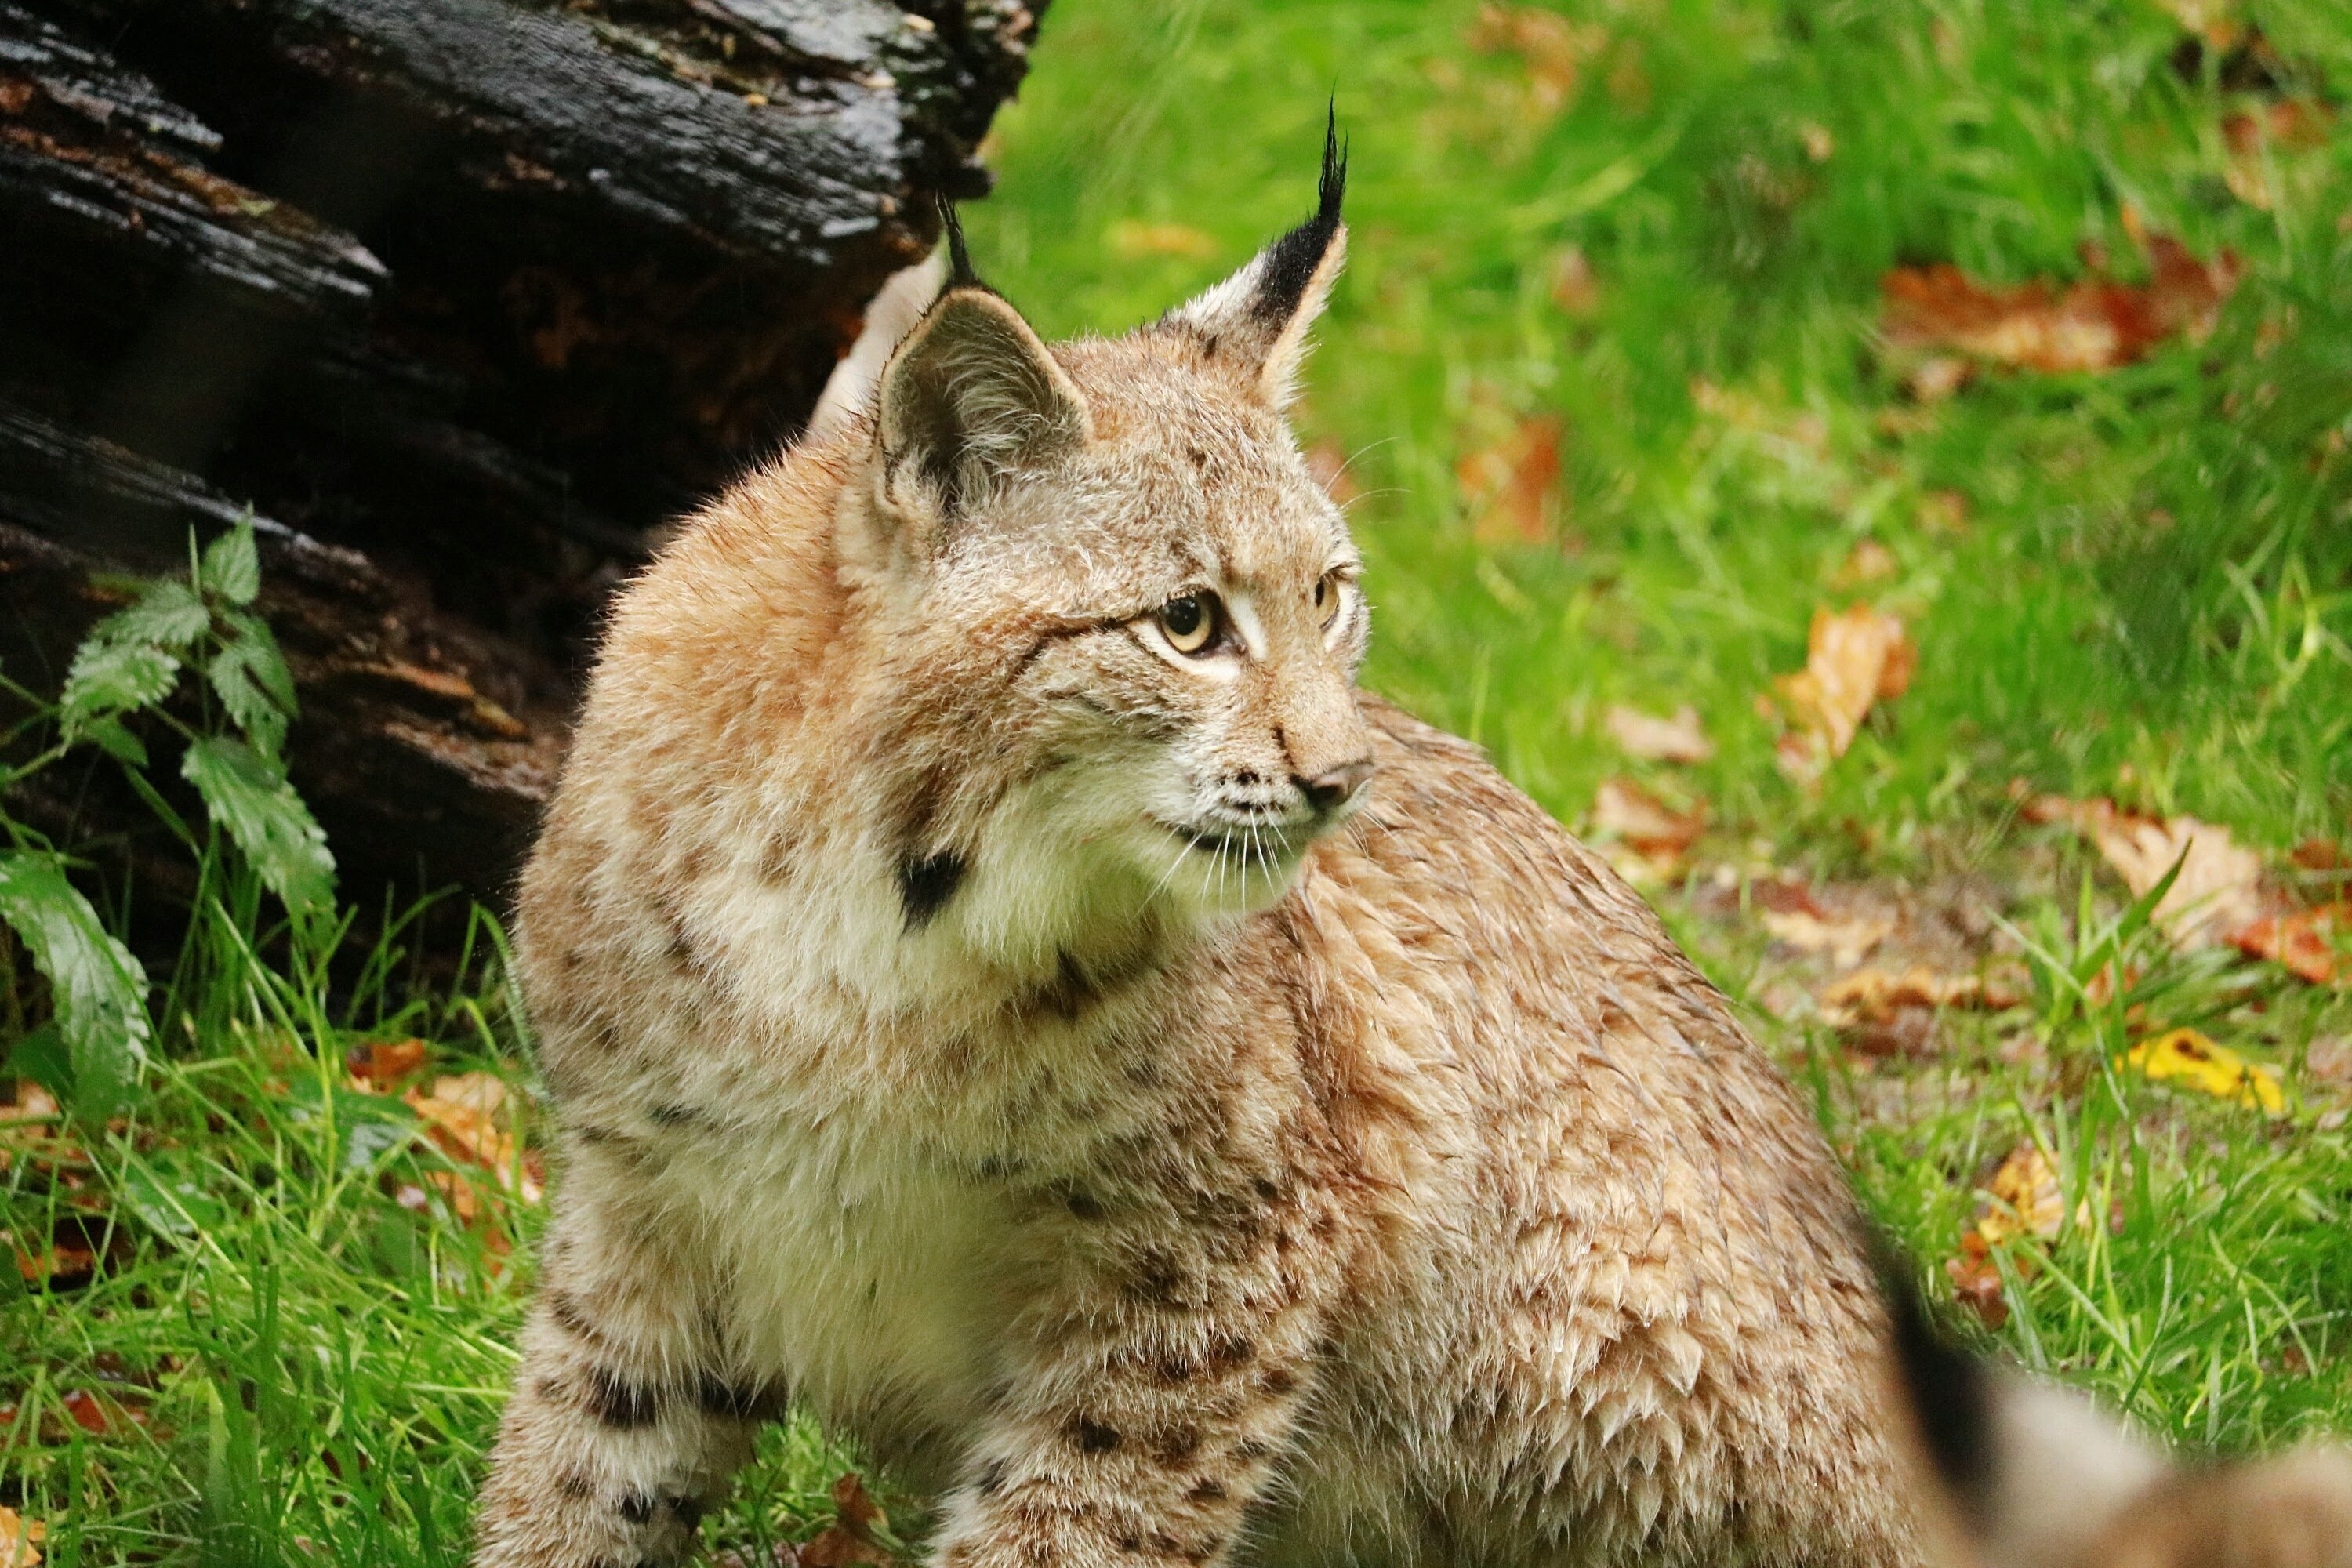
(116, 742)
(168, 1193)
(250, 676)
(41, 1057)
(100, 990)
(168, 614)
(236, 682)
(231, 567)
(111, 678)
(371, 1125)
(248, 798)
(266, 664)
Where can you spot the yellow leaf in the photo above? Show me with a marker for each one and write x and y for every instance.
(18, 1537)
(2189, 1061)
(2026, 1199)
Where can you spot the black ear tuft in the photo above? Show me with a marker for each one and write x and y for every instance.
(1290, 262)
(1951, 1391)
(960, 270)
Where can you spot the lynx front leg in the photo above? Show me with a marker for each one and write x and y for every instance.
(1156, 1393)
(619, 1433)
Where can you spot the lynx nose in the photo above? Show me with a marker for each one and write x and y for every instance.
(1328, 792)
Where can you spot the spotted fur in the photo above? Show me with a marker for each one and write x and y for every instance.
(1040, 1053)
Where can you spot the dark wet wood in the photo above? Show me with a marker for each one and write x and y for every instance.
(466, 299)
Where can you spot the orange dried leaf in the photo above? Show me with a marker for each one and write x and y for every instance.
(1874, 995)
(1846, 938)
(1853, 659)
(378, 1064)
(2218, 892)
(461, 1116)
(1507, 488)
(1552, 48)
(2024, 1199)
(1977, 1282)
(1573, 289)
(1678, 739)
(20, 1539)
(1626, 812)
(1868, 562)
(2094, 324)
(2311, 942)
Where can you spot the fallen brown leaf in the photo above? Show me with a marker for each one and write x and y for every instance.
(1853, 659)
(851, 1538)
(1848, 940)
(2023, 1197)
(462, 1115)
(1573, 289)
(1874, 993)
(2095, 324)
(2311, 942)
(2216, 895)
(1552, 48)
(1976, 1280)
(1507, 488)
(1867, 562)
(2254, 136)
(1676, 739)
(20, 1539)
(378, 1064)
(1626, 814)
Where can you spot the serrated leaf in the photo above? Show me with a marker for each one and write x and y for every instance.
(231, 567)
(111, 678)
(250, 798)
(168, 614)
(263, 657)
(256, 713)
(116, 742)
(100, 989)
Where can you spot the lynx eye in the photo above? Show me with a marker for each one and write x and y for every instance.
(1327, 597)
(1189, 622)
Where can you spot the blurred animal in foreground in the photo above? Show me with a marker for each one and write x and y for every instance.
(2022, 1474)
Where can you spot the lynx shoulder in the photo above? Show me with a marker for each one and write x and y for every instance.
(1007, 990)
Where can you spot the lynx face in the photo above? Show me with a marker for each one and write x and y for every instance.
(1108, 562)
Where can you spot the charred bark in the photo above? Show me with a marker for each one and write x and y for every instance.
(465, 299)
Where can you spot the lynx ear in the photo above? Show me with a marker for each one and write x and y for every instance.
(970, 398)
(1257, 321)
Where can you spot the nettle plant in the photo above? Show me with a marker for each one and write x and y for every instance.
(134, 663)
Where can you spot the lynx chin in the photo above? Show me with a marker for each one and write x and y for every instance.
(1008, 991)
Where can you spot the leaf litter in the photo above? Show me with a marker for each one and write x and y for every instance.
(1854, 659)
(1678, 738)
(2094, 324)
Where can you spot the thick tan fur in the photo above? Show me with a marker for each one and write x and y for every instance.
(995, 1030)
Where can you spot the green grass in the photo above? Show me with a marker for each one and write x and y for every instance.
(2149, 596)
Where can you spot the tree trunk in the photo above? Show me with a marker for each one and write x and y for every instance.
(463, 299)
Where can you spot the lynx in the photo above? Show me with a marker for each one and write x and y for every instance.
(1007, 990)
(2018, 1474)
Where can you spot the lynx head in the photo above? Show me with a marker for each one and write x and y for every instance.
(1125, 617)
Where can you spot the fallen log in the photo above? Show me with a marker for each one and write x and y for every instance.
(463, 299)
